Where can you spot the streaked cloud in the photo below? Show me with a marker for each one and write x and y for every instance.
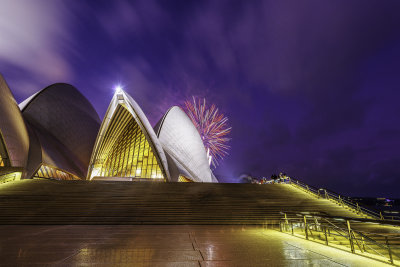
(34, 35)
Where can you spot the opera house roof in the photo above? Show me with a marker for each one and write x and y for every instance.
(57, 134)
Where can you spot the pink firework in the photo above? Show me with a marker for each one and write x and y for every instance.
(212, 126)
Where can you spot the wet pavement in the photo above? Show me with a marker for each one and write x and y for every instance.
(164, 245)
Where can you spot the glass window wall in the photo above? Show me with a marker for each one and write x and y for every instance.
(54, 173)
(184, 179)
(125, 150)
(3, 153)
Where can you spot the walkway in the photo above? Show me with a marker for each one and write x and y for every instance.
(163, 245)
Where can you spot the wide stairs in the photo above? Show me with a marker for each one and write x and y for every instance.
(85, 202)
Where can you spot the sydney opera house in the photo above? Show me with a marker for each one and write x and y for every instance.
(57, 134)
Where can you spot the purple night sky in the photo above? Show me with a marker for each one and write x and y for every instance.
(311, 88)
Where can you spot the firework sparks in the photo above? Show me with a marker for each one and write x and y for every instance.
(213, 128)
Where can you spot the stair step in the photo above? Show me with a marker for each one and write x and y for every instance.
(74, 202)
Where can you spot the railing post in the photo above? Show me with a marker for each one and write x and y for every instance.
(317, 225)
(350, 236)
(292, 228)
(363, 243)
(305, 227)
(286, 223)
(326, 236)
(358, 208)
(340, 200)
(380, 213)
(326, 194)
(389, 250)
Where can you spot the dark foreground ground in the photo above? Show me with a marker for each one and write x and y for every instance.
(163, 245)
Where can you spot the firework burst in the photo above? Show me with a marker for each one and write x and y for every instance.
(212, 126)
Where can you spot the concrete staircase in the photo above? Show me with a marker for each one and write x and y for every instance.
(99, 202)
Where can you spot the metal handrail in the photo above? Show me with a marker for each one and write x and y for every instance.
(363, 236)
(341, 200)
(310, 225)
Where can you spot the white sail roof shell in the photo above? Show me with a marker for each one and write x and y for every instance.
(12, 127)
(181, 140)
(63, 128)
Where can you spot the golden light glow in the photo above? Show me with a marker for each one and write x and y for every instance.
(3, 153)
(125, 150)
(9, 177)
(184, 179)
(96, 170)
(54, 173)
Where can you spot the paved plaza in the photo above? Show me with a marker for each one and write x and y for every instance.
(163, 245)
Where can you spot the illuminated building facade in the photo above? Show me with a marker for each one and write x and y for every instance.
(126, 145)
(62, 126)
(56, 134)
(14, 143)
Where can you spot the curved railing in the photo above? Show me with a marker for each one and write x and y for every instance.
(339, 232)
(323, 193)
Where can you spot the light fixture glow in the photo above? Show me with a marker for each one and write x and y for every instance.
(118, 89)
